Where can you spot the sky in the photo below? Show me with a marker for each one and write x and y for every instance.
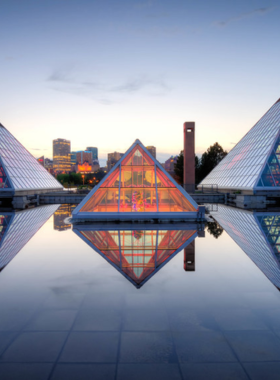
(104, 72)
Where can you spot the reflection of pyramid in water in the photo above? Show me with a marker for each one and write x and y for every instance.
(257, 234)
(19, 170)
(138, 254)
(17, 228)
(254, 163)
(136, 184)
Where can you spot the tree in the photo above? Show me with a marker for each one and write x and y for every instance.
(179, 168)
(214, 154)
(214, 229)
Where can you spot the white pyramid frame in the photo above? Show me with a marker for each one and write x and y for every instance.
(84, 216)
(23, 171)
(244, 166)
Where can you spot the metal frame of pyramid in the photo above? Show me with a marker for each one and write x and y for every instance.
(253, 165)
(193, 213)
(80, 230)
(23, 172)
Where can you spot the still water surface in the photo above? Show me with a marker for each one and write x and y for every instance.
(72, 307)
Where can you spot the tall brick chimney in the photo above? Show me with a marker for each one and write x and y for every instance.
(189, 156)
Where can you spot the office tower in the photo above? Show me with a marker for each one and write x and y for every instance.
(73, 158)
(84, 156)
(113, 158)
(94, 152)
(152, 150)
(61, 156)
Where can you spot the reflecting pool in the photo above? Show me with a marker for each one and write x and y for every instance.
(139, 302)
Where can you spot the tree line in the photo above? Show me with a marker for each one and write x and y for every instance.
(203, 166)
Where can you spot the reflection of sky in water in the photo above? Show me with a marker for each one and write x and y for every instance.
(64, 307)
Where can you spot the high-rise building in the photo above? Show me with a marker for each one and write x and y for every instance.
(61, 156)
(73, 158)
(152, 150)
(113, 158)
(84, 156)
(41, 160)
(94, 152)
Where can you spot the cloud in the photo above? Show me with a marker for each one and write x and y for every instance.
(241, 16)
(37, 149)
(104, 93)
(137, 84)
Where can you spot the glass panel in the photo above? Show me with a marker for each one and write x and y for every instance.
(163, 180)
(4, 182)
(267, 177)
(113, 180)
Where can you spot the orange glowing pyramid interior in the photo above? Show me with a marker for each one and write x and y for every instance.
(138, 185)
(138, 253)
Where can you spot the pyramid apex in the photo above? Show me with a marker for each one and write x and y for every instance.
(137, 141)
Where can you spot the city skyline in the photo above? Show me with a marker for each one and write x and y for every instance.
(108, 73)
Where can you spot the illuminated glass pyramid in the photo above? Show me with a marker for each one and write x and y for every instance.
(254, 163)
(136, 185)
(19, 170)
(139, 253)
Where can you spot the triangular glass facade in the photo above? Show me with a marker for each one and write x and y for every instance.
(137, 254)
(19, 170)
(137, 184)
(254, 162)
(257, 234)
(17, 228)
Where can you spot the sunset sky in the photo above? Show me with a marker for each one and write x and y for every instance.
(105, 72)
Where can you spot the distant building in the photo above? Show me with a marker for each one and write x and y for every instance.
(152, 150)
(41, 160)
(170, 163)
(49, 165)
(94, 152)
(85, 163)
(73, 158)
(84, 156)
(61, 156)
(113, 158)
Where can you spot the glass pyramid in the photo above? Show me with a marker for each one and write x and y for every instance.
(17, 228)
(139, 253)
(254, 163)
(136, 184)
(19, 170)
(257, 234)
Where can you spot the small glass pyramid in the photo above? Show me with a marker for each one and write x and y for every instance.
(254, 163)
(136, 185)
